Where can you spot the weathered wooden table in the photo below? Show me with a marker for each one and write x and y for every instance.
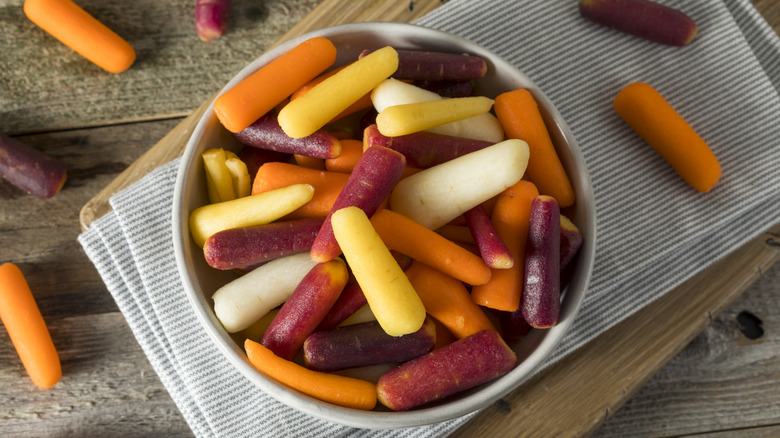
(702, 361)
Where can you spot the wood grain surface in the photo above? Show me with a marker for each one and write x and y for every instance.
(107, 128)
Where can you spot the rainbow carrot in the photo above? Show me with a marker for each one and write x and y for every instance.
(351, 151)
(261, 91)
(330, 97)
(447, 300)
(327, 186)
(420, 243)
(27, 329)
(519, 114)
(77, 29)
(333, 388)
(510, 218)
(359, 105)
(656, 121)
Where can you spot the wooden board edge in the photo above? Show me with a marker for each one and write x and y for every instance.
(687, 309)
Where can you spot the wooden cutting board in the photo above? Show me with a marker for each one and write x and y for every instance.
(584, 389)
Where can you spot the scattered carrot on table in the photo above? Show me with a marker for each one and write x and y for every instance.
(642, 18)
(518, 112)
(29, 169)
(27, 329)
(77, 29)
(340, 390)
(211, 18)
(657, 122)
(264, 89)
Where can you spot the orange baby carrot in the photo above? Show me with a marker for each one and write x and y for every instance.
(333, 388)
(408, 237)
(309, 162)
(27, 329)
(447, 300)
(82, 32)
(351, 150)
(656, 121)
(327, 186)
(457, 233)
(510, 218)
(261, 91)
(519, 114)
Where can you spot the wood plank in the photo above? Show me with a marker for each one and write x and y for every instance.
(624, 358)
(723, 380)
(105, 373)
(47, 86)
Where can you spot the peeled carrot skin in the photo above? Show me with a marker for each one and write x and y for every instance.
(657, 122)
(82, 32)
(27, 329)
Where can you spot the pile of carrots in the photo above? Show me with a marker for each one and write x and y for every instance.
(454, 283)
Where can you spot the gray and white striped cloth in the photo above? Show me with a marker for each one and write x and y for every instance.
(654, 231)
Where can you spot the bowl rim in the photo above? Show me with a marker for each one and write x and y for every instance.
(454, 408)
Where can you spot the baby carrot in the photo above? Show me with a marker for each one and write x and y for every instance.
(447, 300)
(391, 297)
(656, 121)
(77, 29)
(351, 150)
(27, 329)
(327, 186)
(333, 388)
(361, 104)
(260, 92)
(330, 97)
(309, 162)
(519, 114)
(420, 243)
(510, 218)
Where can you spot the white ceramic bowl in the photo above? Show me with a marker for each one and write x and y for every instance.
(200, 281)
